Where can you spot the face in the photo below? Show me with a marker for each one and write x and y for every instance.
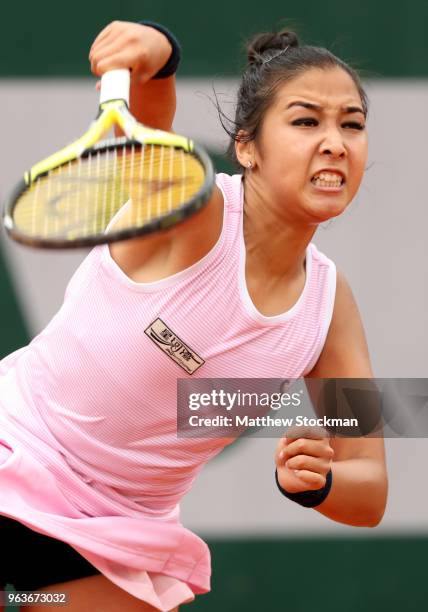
(310, 154)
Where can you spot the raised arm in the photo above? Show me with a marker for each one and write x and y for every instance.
(145, 51)
(359, 480)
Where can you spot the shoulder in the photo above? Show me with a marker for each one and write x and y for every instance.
(346, 315)
(322, 269)
(345, 353)
(231, 183)
(231, 189)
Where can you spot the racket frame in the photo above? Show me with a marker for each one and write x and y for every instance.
(111, 113)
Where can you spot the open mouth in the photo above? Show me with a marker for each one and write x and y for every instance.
(328, 179)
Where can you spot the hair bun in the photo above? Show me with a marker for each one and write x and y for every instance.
(264, 45)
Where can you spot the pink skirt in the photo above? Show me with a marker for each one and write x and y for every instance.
(156, 560)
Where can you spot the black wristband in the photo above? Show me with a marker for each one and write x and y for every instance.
(171, 66)
(308, 499)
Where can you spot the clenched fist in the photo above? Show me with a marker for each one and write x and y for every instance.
(123, 44)
(303, 460)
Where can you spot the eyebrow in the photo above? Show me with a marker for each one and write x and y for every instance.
(312, 106)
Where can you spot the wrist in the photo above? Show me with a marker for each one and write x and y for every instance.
(308, 499)
(171, 66)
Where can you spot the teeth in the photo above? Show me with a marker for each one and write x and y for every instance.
(327, 179)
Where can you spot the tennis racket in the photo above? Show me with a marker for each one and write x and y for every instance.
(69, 199)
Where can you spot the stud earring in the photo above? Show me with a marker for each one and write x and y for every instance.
(249, 165)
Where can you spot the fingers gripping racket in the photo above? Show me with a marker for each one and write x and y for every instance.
(68, 199)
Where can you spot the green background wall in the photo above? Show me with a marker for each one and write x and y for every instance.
(387, 38)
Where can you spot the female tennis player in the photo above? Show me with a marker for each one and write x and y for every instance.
(91, 469)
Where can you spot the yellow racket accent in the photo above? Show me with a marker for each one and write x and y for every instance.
(112, 113)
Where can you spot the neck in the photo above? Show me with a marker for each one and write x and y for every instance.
(275, 245)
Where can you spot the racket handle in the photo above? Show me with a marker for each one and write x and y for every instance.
(115, 85)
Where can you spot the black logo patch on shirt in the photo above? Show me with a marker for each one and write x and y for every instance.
(175, 348)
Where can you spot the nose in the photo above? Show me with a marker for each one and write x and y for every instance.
(332, 145)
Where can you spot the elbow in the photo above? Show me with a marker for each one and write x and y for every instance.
(374, 519)
(377, 513)
(376, 505)
(368, 516)
(364, 517)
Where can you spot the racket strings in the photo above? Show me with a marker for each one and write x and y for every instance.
(80, 198)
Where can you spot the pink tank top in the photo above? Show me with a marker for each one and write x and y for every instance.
(93, 396)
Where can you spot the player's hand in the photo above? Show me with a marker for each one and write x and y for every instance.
(303, 460)
(123, 44)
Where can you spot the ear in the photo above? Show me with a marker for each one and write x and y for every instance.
(244, 150)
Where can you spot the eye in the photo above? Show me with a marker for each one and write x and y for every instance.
(306, 121)
(354, 125)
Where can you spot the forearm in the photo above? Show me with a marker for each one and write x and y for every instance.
(153, 103)
(358, 493)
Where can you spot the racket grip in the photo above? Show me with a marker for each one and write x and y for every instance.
(115, 85)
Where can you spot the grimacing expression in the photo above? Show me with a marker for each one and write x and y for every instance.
(311, 151)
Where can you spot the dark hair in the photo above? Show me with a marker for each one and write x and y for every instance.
(274, 58)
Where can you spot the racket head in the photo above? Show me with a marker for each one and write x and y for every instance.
(155, 186)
